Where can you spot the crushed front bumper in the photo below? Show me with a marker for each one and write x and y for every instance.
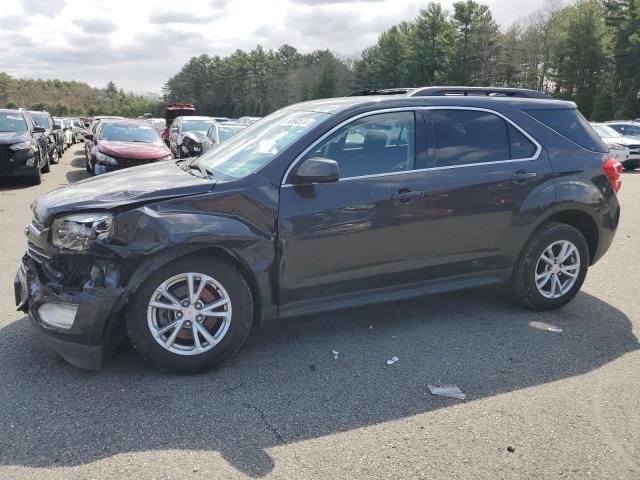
(86, 342)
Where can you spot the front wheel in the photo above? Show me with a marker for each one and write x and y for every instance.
(191, 315)
(551, 267)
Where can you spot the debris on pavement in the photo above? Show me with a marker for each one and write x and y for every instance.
(370, 327)
(511, 449)
(555, 329)
(312, 367)
(335, 354)
(451, 391)
(392, 361)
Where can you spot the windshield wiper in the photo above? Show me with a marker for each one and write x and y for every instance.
(192, 164)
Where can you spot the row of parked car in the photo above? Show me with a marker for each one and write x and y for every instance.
(623, 140)
(112, 143)
(31, 141)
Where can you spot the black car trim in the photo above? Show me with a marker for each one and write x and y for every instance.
(535, 157)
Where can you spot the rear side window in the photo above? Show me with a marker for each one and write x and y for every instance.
(465, 137)
(571, 124)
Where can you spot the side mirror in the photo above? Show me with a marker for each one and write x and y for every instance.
(88, 136)
(39, 130)
(316, 170)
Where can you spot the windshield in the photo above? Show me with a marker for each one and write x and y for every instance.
(605, 132)
(41, 119)
(257, 145)
(129, 133)
(12, 122)
(196, 125)
(226, 132)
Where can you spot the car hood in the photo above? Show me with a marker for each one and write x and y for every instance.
(133, 150)
(122, 188)
(9, 138)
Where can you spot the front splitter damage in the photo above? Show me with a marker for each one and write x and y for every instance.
(90, 338)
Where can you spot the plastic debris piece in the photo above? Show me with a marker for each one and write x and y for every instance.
(370, 327)
(392, 361)
(451, 391)
(335, 354)
(555, 329)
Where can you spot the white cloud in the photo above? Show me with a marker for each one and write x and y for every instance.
(140, 44)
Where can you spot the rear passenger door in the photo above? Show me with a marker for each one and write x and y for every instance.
(481, 168)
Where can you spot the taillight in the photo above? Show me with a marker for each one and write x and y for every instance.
(613, 170)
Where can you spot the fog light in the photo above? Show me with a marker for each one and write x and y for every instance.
(59, 315)
(31, 161)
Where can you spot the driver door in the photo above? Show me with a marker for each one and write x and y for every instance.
(355, 236)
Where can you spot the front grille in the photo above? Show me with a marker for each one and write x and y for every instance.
(5, 154)
(127, 163)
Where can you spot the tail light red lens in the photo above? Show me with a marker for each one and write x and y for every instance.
(613, 170)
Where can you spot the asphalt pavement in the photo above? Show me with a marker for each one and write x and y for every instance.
(539, 403)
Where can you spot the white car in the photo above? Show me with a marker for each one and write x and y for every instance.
(67, 130)
(625, 149)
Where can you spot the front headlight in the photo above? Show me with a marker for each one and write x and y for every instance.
(106, 159)
(78, 232)
(617, 146)
(21, 146)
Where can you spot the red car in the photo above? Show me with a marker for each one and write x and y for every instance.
(126, 143)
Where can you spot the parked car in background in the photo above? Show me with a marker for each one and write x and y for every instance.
(78, 129)
(53, 134)
(171, 112)
(125, 143)
(197, 126)
(321, 205)
(628, 129)
(88, 139)
(194, 144)
(221, 132)
(66, 131)
(625, 149)
(24, 146)
(247, 120)
(221, 119)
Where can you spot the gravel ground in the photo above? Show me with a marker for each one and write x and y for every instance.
(539, 404)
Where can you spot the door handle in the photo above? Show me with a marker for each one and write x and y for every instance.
(522, 176)
(405, 196)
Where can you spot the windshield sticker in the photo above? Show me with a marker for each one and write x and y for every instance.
(298, 122)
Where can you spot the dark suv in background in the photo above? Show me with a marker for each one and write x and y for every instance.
(53, 134)
(319, 206)
(23, 146)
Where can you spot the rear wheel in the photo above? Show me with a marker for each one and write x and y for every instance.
(191, 315)
(55, 157)
(551, 267)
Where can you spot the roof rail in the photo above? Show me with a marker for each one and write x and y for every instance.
(385, 91)
(455, 91)
(477, 91)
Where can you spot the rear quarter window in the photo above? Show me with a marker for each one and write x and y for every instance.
(572, 125)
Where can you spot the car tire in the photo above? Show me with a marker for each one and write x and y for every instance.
(55, 157)
(36, 178)
(145, 321)
(551, 282)
(46, 168)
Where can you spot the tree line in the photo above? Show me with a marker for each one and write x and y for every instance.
(71, 98)
(587, 51)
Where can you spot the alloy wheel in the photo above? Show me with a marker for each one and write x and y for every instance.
(189, 313)
(557, 269)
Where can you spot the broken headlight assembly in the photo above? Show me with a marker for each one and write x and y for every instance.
(77, 232)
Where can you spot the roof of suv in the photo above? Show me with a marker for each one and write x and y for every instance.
(333, 105)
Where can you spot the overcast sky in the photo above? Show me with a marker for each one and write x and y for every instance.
(139, 44)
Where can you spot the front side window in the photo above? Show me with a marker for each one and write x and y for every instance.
(376, 144)
(467, 137)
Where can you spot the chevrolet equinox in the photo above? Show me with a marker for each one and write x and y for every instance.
(320, 206)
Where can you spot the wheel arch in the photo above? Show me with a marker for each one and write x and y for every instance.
(581, 221)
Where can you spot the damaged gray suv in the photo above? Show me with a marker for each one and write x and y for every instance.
(320, 206)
